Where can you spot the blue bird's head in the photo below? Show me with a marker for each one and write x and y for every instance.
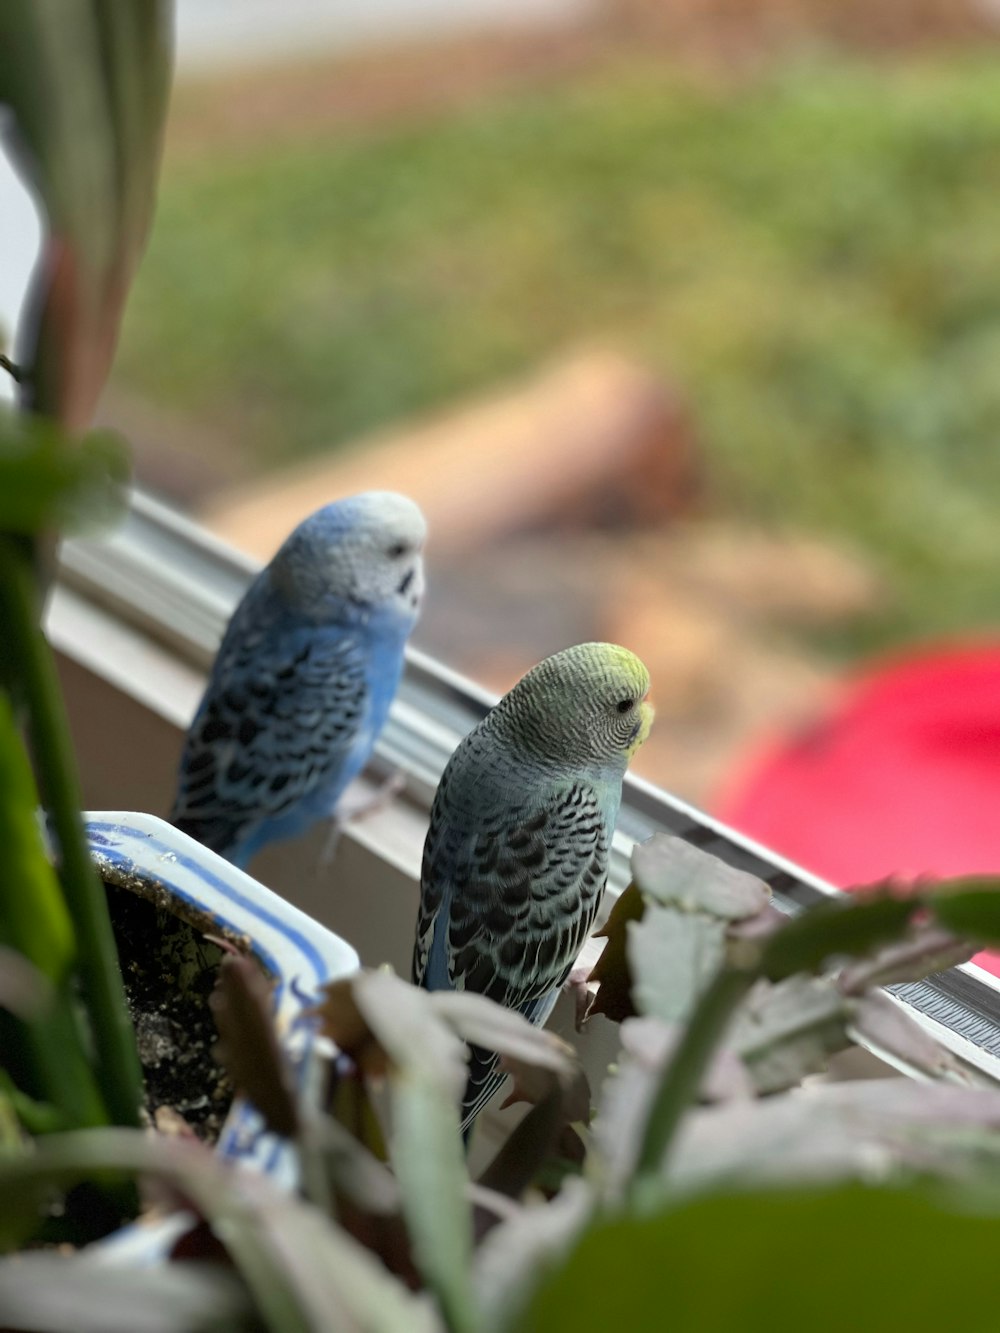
(363, 552)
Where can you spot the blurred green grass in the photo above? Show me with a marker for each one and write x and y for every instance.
(811, 255)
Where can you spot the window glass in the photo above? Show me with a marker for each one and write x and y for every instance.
(20, 233)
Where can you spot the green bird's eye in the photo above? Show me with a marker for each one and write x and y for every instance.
(623, 705)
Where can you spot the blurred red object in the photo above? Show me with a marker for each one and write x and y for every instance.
(901, 776)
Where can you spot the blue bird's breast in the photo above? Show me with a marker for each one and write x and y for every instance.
(315, 699)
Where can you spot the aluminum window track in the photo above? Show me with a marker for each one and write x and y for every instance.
(163, 574)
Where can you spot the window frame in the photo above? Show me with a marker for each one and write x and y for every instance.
(171, 585)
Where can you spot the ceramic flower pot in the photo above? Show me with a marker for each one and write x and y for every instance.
(152, 859)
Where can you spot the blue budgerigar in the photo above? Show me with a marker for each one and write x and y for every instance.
(304, 677)
(516, 855)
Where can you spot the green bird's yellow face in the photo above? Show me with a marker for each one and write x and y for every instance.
(586, 705)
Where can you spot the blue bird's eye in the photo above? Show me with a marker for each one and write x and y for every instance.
(396, 550)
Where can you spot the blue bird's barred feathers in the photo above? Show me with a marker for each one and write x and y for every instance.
(305, 675)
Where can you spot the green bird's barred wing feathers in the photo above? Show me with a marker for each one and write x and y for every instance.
(512, 904)
(518, 895)
(516, 855)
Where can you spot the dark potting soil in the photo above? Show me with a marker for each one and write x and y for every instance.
(169, 970)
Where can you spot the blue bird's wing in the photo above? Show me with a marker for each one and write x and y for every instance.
(507, 903)
(276, 726)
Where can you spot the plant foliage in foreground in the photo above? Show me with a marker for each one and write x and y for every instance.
(706, 1183)
(82, 102)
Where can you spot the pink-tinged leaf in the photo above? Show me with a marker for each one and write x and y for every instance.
(647, 1045)
(410, 1030)
(670, 871)
(23, 989)
(303, 1272)
(784, 1032)
(835, 928)
(86, 87)
(889, 1030)
(343, 1022)
(926, 950)
(482, 1022)
(425, 1061)
(535, 1239)
(79, 1294)
(672, 956)
(866, 1128)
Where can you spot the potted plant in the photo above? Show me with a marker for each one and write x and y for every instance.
(215, 908)
(85, 87)
(705, 1164)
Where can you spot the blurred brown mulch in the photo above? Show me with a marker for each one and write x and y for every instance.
(738, 28)
(440, 74)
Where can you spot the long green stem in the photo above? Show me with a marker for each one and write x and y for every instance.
(686, 1068)
(15, 372)
(117, 1064)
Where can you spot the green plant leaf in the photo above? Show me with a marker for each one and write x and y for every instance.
(26, 657)
(901, 1258)
(969, 907)
(34, 920)
(35, 928)
(349, 1104)
(33, 1116)
(48, 481)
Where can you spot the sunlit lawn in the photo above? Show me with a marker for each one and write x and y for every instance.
(813, 258)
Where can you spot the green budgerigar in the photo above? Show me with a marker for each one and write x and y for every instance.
(516, 855)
